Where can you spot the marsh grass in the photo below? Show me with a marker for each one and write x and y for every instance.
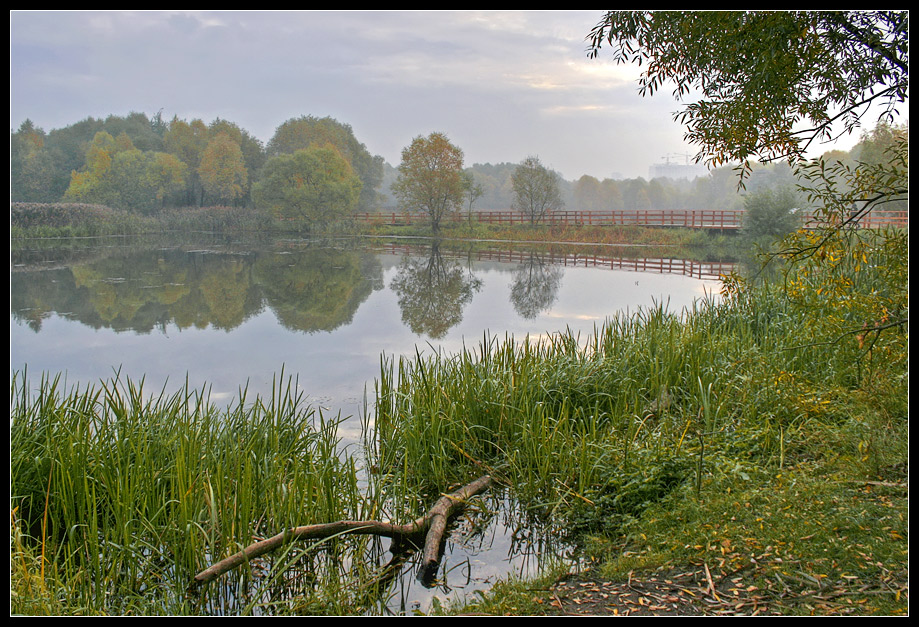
(121, 496)
(598, 429)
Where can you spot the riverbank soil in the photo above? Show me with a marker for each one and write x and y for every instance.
(697, 590)
(841, 548)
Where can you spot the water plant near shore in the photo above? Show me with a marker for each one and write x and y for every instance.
(120, 496)
(127, 494)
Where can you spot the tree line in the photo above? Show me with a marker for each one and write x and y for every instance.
(310, 166)
(315, 170)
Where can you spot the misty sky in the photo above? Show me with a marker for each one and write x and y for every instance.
(501, 85)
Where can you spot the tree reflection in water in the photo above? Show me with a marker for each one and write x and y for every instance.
(535, 285)
(433, 291)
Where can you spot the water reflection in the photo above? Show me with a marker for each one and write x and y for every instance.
(433, 291)
(309, 289)
(226, 313)
(535, 285)
(317, 289)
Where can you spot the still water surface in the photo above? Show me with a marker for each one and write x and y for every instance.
(234, 314)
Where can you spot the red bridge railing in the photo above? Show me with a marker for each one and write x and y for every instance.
(727, 219)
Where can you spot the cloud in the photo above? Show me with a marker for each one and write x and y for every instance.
(502, 84)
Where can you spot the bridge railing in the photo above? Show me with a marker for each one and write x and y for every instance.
(715, 219)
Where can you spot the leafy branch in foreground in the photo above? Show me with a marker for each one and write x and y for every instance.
(766, 85)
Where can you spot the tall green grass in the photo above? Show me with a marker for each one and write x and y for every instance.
(124, 495)
(650, 400)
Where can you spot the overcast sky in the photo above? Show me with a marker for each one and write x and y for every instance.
(501, 85)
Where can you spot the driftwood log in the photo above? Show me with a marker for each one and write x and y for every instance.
(432, 525)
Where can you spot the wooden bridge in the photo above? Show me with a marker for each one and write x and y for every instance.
(720, 220)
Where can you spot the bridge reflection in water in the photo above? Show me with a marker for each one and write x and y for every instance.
(660, 265)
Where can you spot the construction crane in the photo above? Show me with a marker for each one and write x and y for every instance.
(685, 156)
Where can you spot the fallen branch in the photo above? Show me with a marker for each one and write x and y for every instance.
(432, 525)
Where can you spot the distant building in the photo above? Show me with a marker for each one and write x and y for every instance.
(675, 171)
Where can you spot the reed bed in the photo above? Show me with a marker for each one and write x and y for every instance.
(120, 496)
(611, 423)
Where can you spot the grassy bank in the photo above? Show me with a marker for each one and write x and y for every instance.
(35, 220)
(762, 435)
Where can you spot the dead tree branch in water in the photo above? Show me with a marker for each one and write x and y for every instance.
(432, 525)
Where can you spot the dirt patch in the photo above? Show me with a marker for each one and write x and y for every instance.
(670, 593)
(700, 591)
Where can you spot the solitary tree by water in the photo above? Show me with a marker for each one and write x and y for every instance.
(315, 186)
(431, 178)
(536, 190)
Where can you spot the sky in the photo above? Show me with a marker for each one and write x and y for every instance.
(502, 85)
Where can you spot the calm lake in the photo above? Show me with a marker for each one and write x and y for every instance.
(234, 314)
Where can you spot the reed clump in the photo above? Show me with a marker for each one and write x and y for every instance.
(655, 401)
(120, 496)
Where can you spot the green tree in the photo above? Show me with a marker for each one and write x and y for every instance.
(764, 85)
(68, 147)
(635, 194)
(611, 195)
(308, 131)
(141, 181)
(769, 213)
(881, 149)
(474, 190)
(119, 175)
(165, 175)
(314, 185)
(222, 169)
(658, 195)
(587, 193)
(127, 180)
(431, 178)
(253, 151)
(93, 184)
(536, 190)
(495, 179)
(187, 142)
(31, 166)
(138, 128)
(875, 145)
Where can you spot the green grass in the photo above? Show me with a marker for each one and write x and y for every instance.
(764, 431)
(784, 433)
(120, 496)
